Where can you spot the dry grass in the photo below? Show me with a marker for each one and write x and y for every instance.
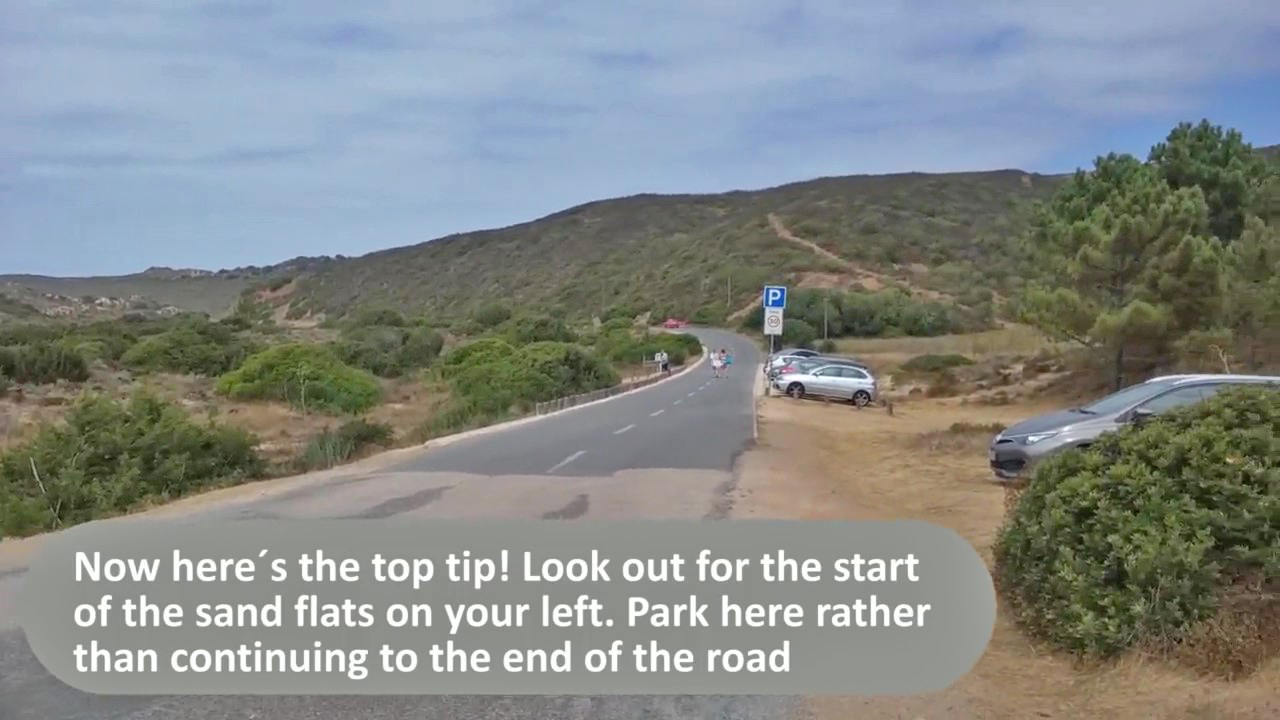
(829, 462)
(1009, 340)
(960, 437)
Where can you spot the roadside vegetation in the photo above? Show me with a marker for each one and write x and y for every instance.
(831, 314)
(111, 415)
(107, 457)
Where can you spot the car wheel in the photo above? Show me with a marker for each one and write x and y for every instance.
(861, 398)
(795, 390)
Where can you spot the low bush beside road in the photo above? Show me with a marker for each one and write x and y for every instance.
(309, 377)
(108, 457)
(333, 447)
(1154, 531)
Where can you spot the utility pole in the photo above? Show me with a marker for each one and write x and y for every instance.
(728, 295)
(825, 305)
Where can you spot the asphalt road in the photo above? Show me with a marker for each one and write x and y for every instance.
(665, 451)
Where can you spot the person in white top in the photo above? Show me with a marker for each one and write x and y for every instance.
(664, 362)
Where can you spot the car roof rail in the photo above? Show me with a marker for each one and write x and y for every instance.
(1213, 376)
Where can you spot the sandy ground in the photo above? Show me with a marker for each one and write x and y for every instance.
(823, 461)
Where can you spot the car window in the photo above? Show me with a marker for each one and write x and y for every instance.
(854, 373)
(1175, 399)
(827, 372)
(1118, 401)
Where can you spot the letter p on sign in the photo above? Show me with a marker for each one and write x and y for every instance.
(775, 296)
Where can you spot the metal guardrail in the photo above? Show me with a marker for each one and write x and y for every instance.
(550, 406)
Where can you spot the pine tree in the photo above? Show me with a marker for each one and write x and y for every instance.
(1124, 261)
(1253, 298)
(1219, 162)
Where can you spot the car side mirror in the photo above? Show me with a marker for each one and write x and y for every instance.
(1141, 415)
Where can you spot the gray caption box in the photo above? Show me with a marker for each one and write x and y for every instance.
(953, 582)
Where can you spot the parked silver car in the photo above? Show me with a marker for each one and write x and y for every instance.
(846, 382)
(1016, 450)
(780, 359)
(797, 363)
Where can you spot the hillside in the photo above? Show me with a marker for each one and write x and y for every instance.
(679, 253)
(666, 253)
(213, 292)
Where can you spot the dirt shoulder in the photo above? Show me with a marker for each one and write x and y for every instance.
(818, 461)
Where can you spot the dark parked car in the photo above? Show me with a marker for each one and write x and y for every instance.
(1016, 450)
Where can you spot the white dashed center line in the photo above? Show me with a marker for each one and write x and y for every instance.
(656, 414)
(622, 430)
(567, 460)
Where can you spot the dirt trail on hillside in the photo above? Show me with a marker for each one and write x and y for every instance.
(870, 280)
(818, 461)
(859, 275)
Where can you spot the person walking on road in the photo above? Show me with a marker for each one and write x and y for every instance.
(717, 363)
(728, 360)
(664, 362)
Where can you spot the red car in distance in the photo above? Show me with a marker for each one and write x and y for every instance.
(673, 323)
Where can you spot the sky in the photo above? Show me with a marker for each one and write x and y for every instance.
(218, 134)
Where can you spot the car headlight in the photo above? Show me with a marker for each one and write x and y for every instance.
(1037, 437)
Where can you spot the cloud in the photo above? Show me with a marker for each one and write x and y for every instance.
(141, 132)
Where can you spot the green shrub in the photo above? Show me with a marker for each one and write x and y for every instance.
(388, 351)
(538, 328)
(572, 369)
(798, 333)
(109, 457)
(491, 315)
(5, 384)
(379, 317)
(679, 347)
(930, 363)
(715, 315)
(308, 376)
(616, 324)
(1135, 540)
(475, 352)
(29, 334)
(626, 347)
(200, 348)
(496, 388)
(44, 362)
(493, 383)
(420, 347)
(334, 447)
(883, 313)
(827, 346)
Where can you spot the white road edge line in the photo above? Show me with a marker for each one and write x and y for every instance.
(567, 460)
(362, 466)
(656, 414)
(622, 430)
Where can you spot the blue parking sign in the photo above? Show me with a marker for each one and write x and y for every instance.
(775, 296)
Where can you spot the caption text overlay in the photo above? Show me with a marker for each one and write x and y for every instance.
(487, 607)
